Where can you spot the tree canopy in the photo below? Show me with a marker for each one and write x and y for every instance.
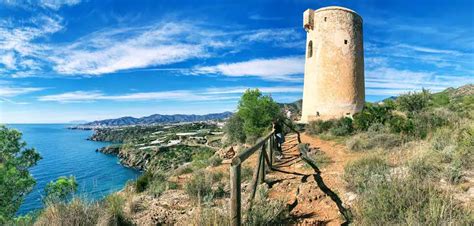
(15, 179)
(256, 112)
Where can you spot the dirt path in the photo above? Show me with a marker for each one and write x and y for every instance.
(313, 198)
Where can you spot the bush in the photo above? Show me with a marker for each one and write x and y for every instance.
(201, 186)
(366, 172)
(234, 129)
(211, 216)
(160, 184)
(143, 181)
(465, 150)
(184, 169)
(60, 190)
(321, 159)
(367, 141)
(77, 212)
(371, 114)
(114, 206)
(408, 202)
(413, 101)
(319, 126)
(425, 167)
(215, 161)
(342, 127)
(201, 158)
(266, 211)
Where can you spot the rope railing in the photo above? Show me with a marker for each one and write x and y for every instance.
(266, 146)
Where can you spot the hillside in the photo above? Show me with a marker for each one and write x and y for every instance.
(156, 119)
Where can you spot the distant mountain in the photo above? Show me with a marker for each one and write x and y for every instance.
(157, 119)
(78, 122)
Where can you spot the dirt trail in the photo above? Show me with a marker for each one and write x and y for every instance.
(313, 198)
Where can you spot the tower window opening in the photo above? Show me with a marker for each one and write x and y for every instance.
(325, 18)
(310, 49)
(345, 41)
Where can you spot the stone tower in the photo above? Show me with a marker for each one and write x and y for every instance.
(334, 68)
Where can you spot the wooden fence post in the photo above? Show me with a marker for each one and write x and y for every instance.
(269, 151)
(272, 145)
(261, 172)
(235, 196)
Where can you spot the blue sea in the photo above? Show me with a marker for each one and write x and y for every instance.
(66, 152)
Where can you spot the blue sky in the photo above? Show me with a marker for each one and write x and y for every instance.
(88, 60)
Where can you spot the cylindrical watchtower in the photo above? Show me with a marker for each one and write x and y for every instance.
(334, 68)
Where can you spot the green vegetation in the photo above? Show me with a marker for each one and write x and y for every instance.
(266, 211)
(234, 128)
(364, 173)
(441, 128)
(408, 202)
(15, 179)
(205, 186)
(254, 117)
(60, 190)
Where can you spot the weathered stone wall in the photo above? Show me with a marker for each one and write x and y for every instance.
(334, 68)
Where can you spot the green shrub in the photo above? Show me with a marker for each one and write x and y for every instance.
(454, 172)
(266, 211)
(201, 158)
(201, 186)
(367, 141)
(465, 149)
(114, 204)
(371, 114)
(234, 129)
(408, 202)
(319, 126)
(342, 127)
(185, 169)
(60, 190)
(143, 181)
(160, 184)
(215, 161)
(366, 172)
(425, 167)
(77, 212)
(211, 216)
(413, 101)
(321, 159)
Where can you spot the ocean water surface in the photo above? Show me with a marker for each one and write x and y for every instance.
(67, 152)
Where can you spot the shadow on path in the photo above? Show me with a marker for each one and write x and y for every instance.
(319, 180)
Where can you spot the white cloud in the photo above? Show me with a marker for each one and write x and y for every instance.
(284, 68)
(124, 48)
(18, 50)
(15, 91)
(8, 60)
(57, 4)
(392, 81)
(46, 4)
(210, 94)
